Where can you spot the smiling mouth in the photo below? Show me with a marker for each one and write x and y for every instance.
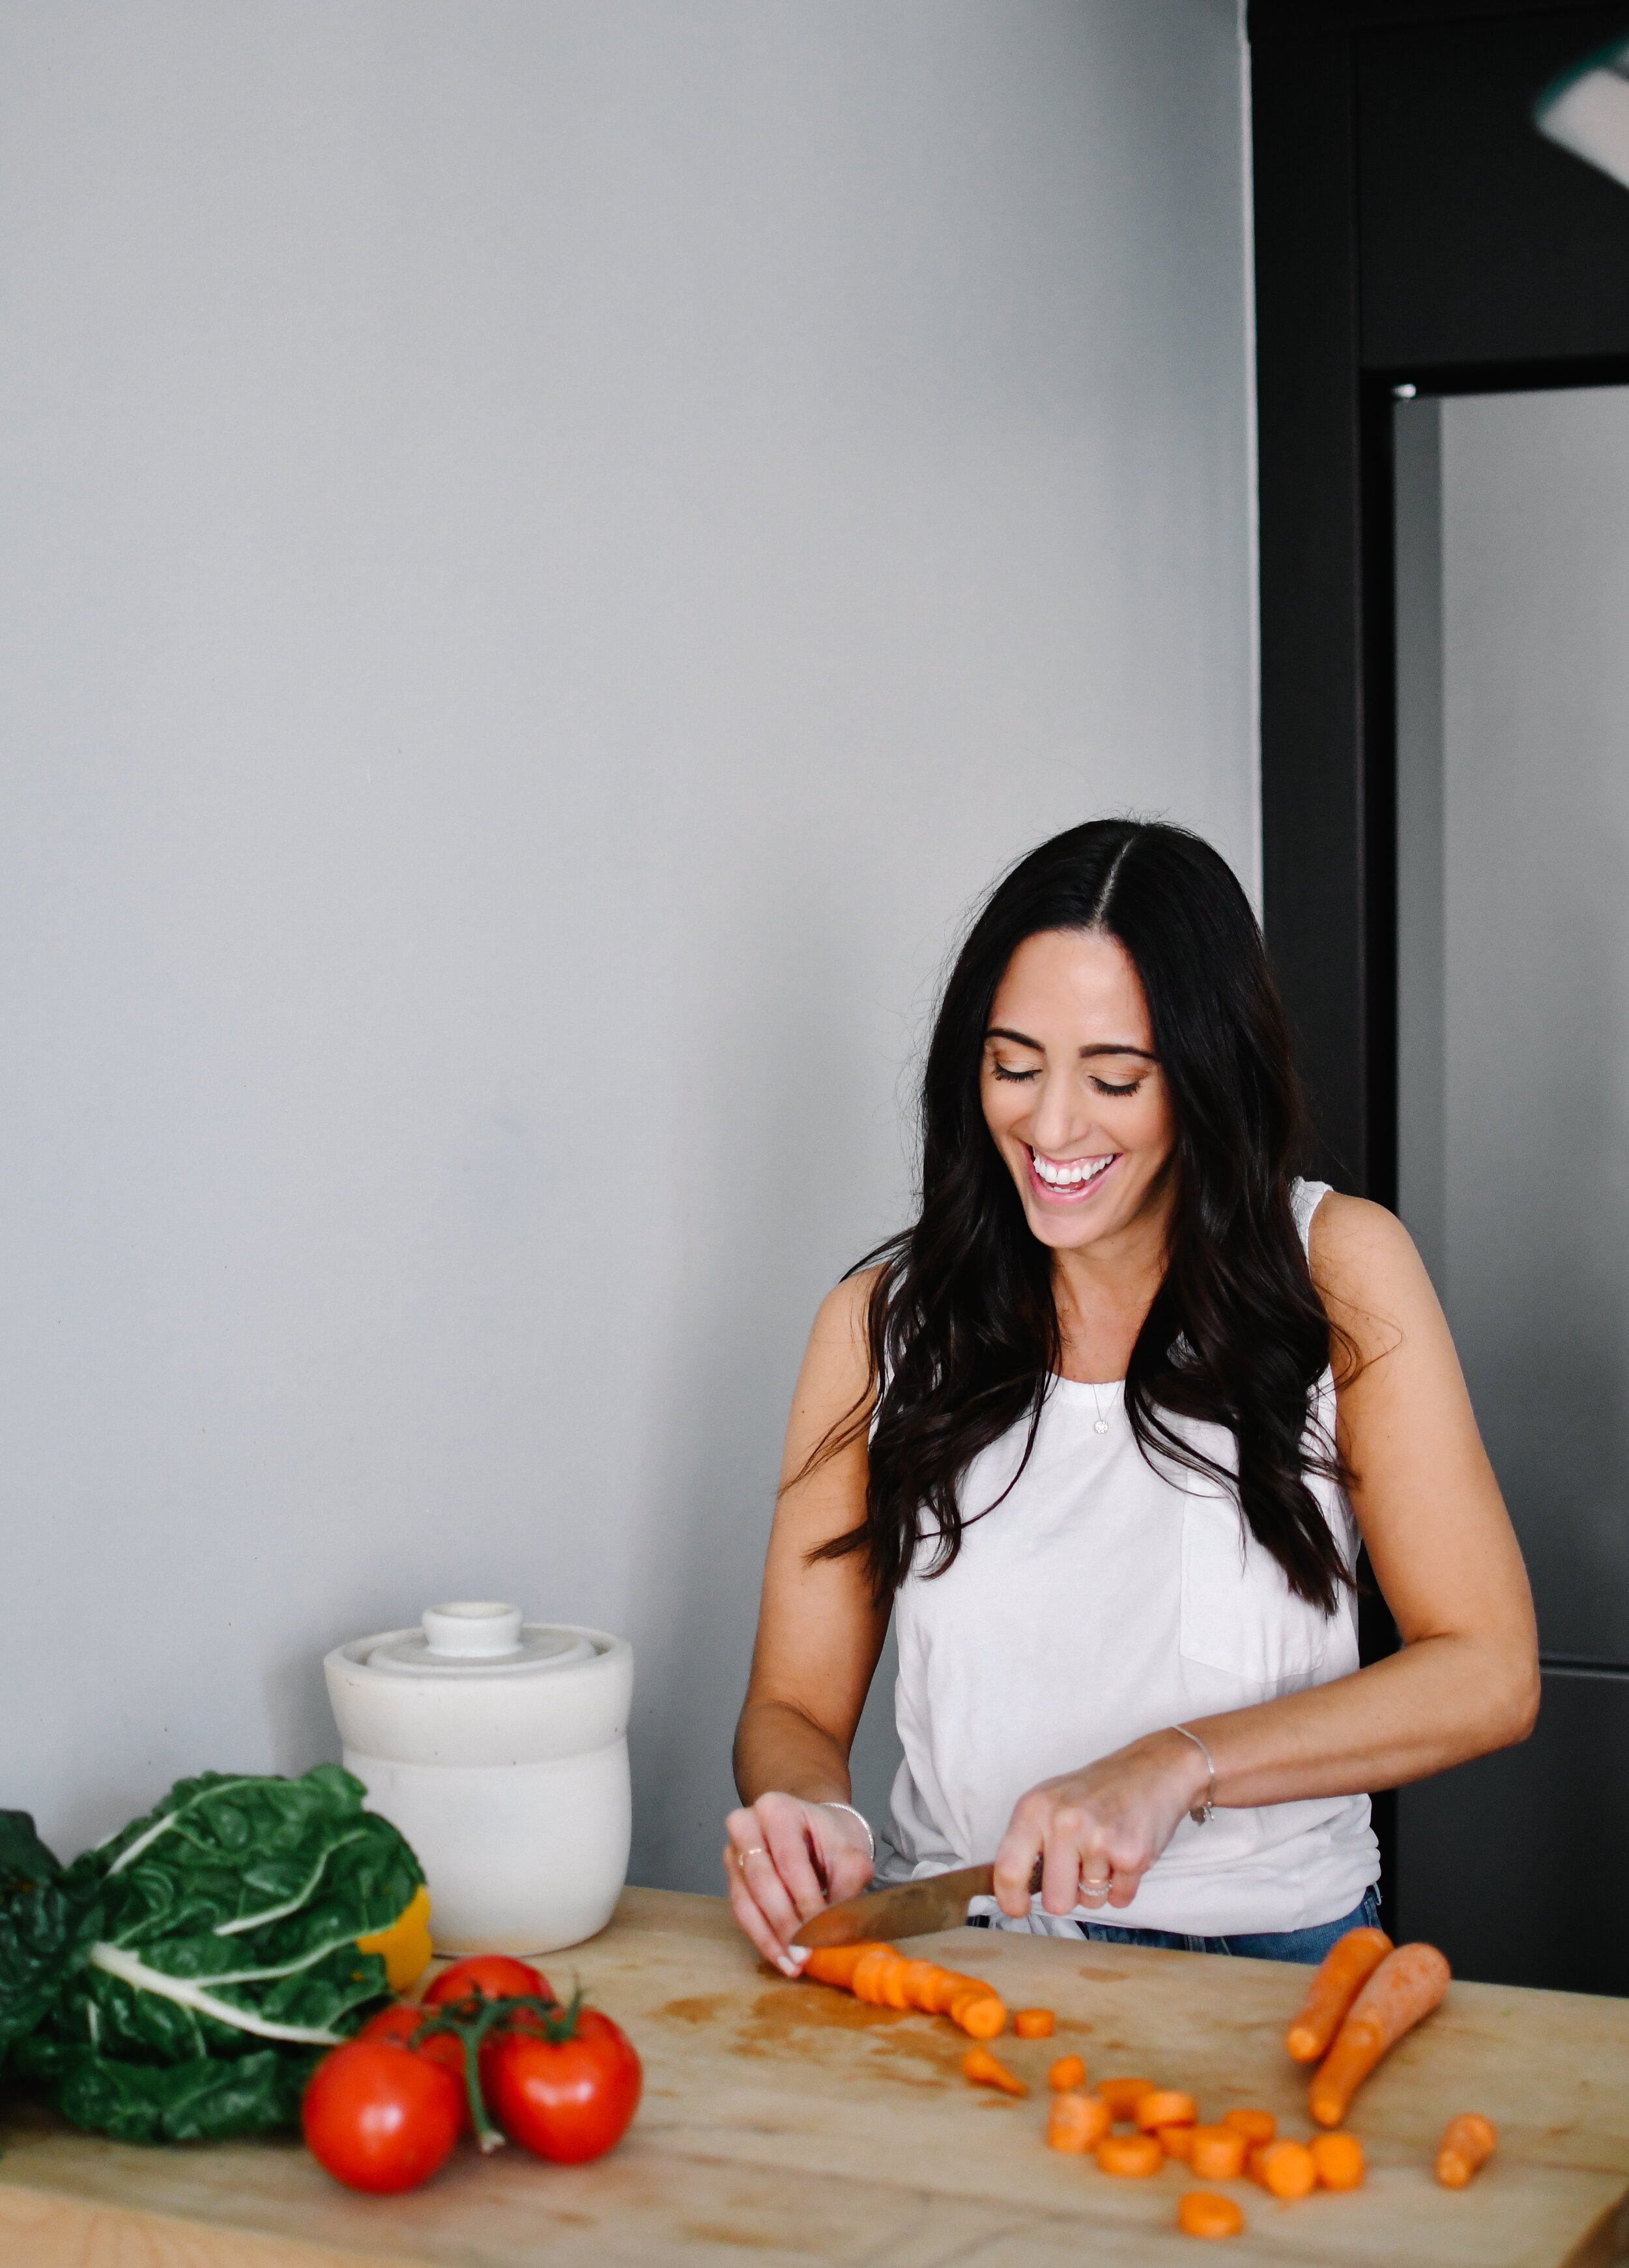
(1068, 1178)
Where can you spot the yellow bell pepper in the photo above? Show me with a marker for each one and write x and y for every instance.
(404, 1944)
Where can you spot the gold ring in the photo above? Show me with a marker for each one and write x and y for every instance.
(756, 1852)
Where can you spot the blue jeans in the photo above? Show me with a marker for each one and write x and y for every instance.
(1309, 1945)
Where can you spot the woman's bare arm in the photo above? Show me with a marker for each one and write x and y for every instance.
(1465, 1679)
(819, 1637)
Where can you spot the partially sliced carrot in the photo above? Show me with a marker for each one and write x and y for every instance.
(892, 1984)
(1176, 2141)
(1468, 2141)
(1216, 2154)
(1137, 2155)
(1077, 2123)
(985, 2070)
(835, 1965)
(1203, 2213)
(1407, 1985)
(1336, 1983)
(1255, 2125)
(1337, 2160)
(917, 1985)
(1122, 2095)
(1286, 2169)
(945, 1987)
(869, 1972)
(1033, 2023)
(1164, 2106)
(1069, 2071)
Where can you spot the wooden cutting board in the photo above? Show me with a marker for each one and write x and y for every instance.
(786, 2124)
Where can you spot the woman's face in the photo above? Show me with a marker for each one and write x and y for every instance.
(1071, 1090)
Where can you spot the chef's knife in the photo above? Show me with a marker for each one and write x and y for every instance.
(908, 1910)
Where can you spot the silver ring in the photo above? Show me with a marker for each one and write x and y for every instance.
(756, 1852)
(1096, 1889)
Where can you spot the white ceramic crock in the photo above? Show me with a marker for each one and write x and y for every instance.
(500, 1749)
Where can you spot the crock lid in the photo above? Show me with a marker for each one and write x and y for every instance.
(480, 1637)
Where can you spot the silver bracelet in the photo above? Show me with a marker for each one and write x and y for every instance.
(826, 1804)
(1201, 1812)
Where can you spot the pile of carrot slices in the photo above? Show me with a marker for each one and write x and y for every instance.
(1367, 1994)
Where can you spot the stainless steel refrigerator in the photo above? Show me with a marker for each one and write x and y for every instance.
(1512, 555)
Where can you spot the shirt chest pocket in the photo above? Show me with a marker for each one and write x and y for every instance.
(1238, 1613)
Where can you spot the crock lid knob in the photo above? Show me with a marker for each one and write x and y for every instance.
(473, 1627)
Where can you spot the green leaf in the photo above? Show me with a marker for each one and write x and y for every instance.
(217, 1933)
(202, 2099)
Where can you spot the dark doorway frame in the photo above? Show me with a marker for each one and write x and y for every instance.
(1412, 228)
(1404, 234)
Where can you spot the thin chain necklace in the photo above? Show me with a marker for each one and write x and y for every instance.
(1099, 1424)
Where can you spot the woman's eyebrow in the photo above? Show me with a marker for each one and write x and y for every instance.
(1100, 1048)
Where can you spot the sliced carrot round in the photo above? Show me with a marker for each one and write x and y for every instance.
(917, 1985)
(892, 1984)
(1216, 2154)
(1203, 2213)
(1137, 2155)
(866, 1983)
(1164, 2106)
(1255, 2125)
(1337, 2160)
(1285, 2170)
(1069, 2071)
(1077, 2123)
(1176, 2141)
(1033, 2023)
(981, 2019)
(1122, 2095)
(947, 1985)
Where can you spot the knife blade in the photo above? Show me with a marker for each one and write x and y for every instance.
(904, 1909)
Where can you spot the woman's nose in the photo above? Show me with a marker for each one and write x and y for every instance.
(1054, 1123)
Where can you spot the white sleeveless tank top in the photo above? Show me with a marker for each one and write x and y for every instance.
(1101, 1601)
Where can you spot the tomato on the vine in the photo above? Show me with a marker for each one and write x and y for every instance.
(379, 2118)
(494, 1976)
(400, 2022)
(566, 2099)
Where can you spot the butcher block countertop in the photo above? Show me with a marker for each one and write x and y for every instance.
(787, 2124)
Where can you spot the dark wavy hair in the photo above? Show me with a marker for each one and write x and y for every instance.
(962, 1327)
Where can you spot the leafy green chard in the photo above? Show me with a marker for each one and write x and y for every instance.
(182, 1979)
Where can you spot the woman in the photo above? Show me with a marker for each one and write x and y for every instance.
(1104, 1431)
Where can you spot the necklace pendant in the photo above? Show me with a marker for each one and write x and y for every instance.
(1099, 1425)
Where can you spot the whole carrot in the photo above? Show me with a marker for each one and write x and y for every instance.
(1406, 1986)
(1343, 1971)
(1467, 2142)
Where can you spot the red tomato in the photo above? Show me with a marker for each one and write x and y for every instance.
(568, 2099)
(377, 2119)
(399, 2022)
(493, 1974)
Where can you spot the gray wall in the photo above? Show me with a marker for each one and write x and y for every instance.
(549, 551)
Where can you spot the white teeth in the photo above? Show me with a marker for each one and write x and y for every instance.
(1071, 1174)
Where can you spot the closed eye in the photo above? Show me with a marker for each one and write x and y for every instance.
(1017, 1076)
(1103, 1086)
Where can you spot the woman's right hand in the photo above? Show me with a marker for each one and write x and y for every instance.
(785, 1860)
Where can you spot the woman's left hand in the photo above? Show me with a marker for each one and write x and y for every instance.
(1099, 1830)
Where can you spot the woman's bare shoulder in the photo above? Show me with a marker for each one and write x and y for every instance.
(843, 1315)
(1368, 1273)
